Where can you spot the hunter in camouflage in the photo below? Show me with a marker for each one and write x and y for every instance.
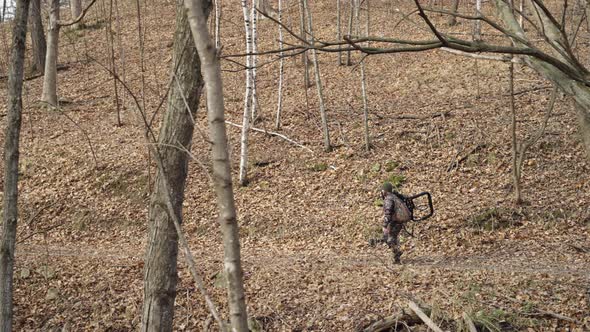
(395, 214)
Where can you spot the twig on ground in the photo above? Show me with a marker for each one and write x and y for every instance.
(423, 117)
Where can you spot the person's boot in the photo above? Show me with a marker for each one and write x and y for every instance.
(397, 257)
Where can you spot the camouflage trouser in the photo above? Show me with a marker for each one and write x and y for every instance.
(392, 239)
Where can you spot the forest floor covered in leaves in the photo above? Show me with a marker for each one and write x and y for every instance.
(438, 122)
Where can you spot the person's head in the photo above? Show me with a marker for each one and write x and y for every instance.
(387, 188)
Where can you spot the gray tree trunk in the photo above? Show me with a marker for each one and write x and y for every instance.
(211, 70)
(50, 78)
(160, 275)
(39, 45)
(11, 154)
(318, 80)
(76, 9)
(3, 11)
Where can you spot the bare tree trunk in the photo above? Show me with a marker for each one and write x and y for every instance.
(254, 35)
(339, 30)
(3, 11)
(211, 70)
(318, 80)
(110, 35)
(76, 9)
(218, 13)
(122, 56)
(477, 23)
(454, 8)
(303, 34)
(160, 273)
(348, 54)
(11, 156)
(364, 79)
(584, 126)
(281, 68)
(39, 45)
(50, 79)
(521, 9)
(515, 146)
(243, 176)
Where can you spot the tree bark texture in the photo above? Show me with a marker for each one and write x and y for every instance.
(76, 9)
(211, 70)
(39, 45)
(50, 78)
(160, 274)
(11, 155)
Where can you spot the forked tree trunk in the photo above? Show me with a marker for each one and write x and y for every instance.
(222, 177)
(160, 274)
(11, 155)
(50, 78)
(38, 43)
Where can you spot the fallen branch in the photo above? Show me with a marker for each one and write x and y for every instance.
(424, 117)
(424, 317)
(272, 133)
(393, 322)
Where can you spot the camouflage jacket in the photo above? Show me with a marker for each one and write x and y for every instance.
(395, 209)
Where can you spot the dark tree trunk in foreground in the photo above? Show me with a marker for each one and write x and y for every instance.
(39, 45)
(11, 154)
(160, 275)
